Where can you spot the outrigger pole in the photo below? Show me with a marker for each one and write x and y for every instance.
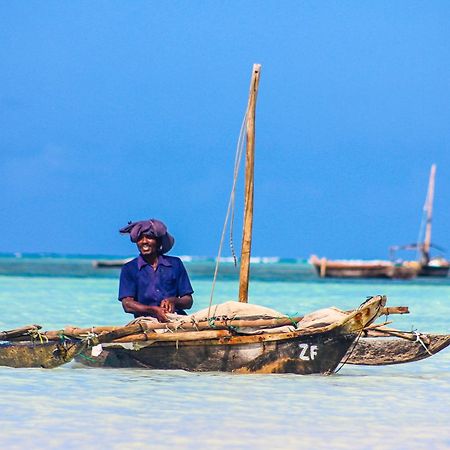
(244, 274)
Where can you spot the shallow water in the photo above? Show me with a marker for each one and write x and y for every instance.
(359, 407)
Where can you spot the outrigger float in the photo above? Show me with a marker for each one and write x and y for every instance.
(234, 337)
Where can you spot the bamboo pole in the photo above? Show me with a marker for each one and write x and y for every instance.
(249, 187)
(110, 333)
(172, 337)
(397, 333)
(181, 326)
(10, 334)
(429, 211)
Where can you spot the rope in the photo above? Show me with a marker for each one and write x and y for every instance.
(291, 318)
(237, 162)
(194, 323)
(63, 337)
(419, 340)
(91, 338)
(349, 353)
(355, 343)
(230, 210)
(87, 358)
(35, 334)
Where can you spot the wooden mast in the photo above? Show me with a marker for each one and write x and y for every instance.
(244, 274)
(429, 211)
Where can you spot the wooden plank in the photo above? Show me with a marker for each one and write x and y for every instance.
(11, 334)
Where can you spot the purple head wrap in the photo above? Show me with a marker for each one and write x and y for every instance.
(152, 228)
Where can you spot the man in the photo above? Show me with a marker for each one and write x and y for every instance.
(153, 284)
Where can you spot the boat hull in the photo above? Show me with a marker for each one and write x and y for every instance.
(342, 270)
(434, 271)
(45, 355)
(391, 350)
(304, 355)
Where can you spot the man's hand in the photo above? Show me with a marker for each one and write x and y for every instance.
(130, 305)
(159, 313)
(168, 304)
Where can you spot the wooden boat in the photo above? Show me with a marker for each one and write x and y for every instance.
(363, 269)
(224, 348)
(429, 266)
(317, 347)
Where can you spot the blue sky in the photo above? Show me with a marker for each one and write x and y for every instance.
(116, 111)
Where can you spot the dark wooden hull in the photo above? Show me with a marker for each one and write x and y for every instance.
(341, 269)
(434, 271)
(110, 263)
(310, 354)
(391, 350)
(46, 355)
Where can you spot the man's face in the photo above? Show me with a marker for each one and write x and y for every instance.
(147, 246)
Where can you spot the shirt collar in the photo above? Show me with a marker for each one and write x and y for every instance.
(162, 260)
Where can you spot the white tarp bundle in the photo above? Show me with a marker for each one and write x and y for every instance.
(232, 309)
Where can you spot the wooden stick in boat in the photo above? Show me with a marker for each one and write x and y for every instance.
(374, 326)
(169, 337)
(81, 333)
(113, 333)
(217, 324)
(396, 333)
(189, 326)
(120, 331)
(388, 310)
(10, 334)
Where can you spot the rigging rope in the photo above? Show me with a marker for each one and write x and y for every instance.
(237, 163)
(349, 352)
(230, 210)
(355, 342)
(420, 341)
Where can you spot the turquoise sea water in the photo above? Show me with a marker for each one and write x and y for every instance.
(77, 407)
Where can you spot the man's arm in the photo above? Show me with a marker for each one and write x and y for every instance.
(130, 305)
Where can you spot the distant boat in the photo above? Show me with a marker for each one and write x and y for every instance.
(348, 268)
(110, 263)
(429, 266)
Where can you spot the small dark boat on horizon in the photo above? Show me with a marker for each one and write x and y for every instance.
(110, 263)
